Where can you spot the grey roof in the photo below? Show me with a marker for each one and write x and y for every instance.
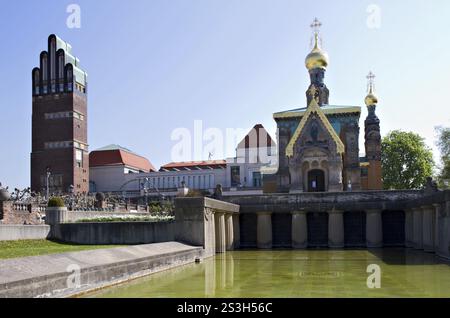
(116, 147)
(324, 107)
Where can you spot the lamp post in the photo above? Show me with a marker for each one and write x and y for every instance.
(47, 184)
(146, 191)
(71, 191)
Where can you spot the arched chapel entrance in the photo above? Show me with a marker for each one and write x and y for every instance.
(316, 180)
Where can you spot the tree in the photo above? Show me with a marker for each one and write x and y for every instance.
(443, 144)
(406, 160)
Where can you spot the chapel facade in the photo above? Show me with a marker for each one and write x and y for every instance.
(319, 144)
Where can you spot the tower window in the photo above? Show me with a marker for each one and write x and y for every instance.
(79, 158)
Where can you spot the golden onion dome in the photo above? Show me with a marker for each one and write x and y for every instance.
(317, 58)
(371, 98)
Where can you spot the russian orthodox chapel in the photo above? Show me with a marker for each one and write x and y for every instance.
(319, 144)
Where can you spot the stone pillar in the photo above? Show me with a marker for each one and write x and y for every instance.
(299, 229)
(439, 229)
(374, 228)
(435, 214)
(6, 208)
(264, 230)
(418, 236)
(237, 231)
(428, 228)
(444, 230)
(446, 227)
(210, 232)
(229, 232)
(219, 218)
(336, 229)
(409, 228)
(437, 225)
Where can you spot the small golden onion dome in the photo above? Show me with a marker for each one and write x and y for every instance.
(371, 98)
(317, 58)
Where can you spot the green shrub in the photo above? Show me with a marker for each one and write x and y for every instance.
(154, 207)
(56, 202)
(195, 193)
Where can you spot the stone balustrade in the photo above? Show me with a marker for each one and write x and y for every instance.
(428, 223)
(414, 219)
(20, 213)
(207, 222)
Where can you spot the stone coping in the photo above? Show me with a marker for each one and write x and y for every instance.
(328, 201)
(47, 275)
(205, 202)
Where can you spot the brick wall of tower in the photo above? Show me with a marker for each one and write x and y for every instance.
(60, 161)
(81, 174)
(373, 150)
(59, 122)
(352, 170)
(374, 180)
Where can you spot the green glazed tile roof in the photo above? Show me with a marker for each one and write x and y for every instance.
(327, 109)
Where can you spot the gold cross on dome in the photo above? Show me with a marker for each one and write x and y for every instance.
(371, 77)
(370, 80)
(316, 25)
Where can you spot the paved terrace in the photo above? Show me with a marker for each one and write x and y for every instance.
(55, 275)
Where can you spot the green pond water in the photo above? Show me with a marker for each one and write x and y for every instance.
(289, 273)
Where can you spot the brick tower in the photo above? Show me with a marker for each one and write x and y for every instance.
(373, 139)
(59, 154)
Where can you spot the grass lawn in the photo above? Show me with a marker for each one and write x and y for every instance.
(14, 249)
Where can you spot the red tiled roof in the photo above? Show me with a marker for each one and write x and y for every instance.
(191, 164)
(256, 138)
(119, 157)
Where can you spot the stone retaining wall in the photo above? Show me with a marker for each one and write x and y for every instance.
(23, 232)
(114, 232)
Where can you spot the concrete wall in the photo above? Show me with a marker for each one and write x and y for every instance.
(202, 222)
(114, 232)
(23, 232)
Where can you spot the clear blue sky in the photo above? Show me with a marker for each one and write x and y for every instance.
(156, 65)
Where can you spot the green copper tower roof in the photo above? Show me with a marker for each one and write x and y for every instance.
(79, 73)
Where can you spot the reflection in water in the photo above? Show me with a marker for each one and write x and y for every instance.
(307, 273)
